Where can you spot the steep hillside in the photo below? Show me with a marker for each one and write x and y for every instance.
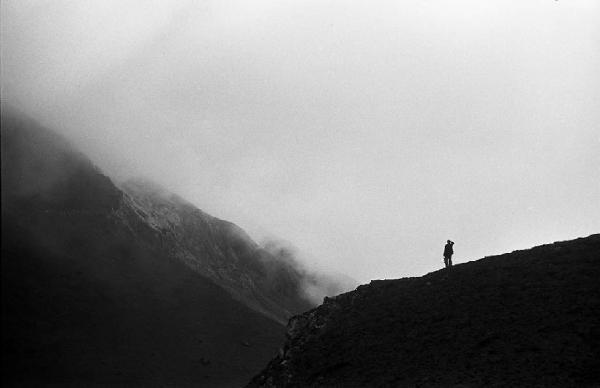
(219, 250)
(523, 319)
(101, 285)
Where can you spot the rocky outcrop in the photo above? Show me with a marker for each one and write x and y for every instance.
(527, 318)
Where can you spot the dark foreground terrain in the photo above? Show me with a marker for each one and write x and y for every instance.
(524, 319)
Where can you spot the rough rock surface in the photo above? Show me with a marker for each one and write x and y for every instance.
(523, 319)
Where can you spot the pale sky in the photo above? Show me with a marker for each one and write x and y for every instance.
(366, 133)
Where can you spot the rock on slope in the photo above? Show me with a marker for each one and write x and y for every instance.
(134, 287)
(527, 318)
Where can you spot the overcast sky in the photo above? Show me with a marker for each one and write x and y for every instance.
(366, 133)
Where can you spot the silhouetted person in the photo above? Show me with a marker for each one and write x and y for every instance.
(448, 251)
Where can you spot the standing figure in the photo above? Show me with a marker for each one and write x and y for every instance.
(448, 251)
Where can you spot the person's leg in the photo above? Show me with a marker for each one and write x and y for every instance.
(450, 261)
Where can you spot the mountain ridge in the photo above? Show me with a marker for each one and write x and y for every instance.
(266, 278)
(527, 318)
(99, 284)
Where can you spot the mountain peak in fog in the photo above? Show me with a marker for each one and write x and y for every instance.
(121, 277)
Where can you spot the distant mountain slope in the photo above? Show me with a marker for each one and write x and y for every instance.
(529, 318)
(220, 251)
(135, 287)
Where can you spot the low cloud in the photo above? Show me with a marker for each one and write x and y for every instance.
(365, 133)
(316, 283)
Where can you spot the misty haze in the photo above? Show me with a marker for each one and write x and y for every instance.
(219, 193)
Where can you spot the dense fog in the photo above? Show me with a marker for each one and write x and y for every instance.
(365, 133)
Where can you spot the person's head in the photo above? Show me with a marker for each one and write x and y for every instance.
(450, 242)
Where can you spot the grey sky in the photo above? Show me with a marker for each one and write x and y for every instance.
(366, 133)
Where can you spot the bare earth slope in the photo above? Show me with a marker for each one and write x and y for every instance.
(527, 318)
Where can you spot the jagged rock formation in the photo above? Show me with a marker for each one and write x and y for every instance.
(132, 285)
(529, 318)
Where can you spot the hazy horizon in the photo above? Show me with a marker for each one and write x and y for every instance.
(365, 133)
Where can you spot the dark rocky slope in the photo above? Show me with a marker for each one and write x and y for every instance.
(524, 319)
(136, 287)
